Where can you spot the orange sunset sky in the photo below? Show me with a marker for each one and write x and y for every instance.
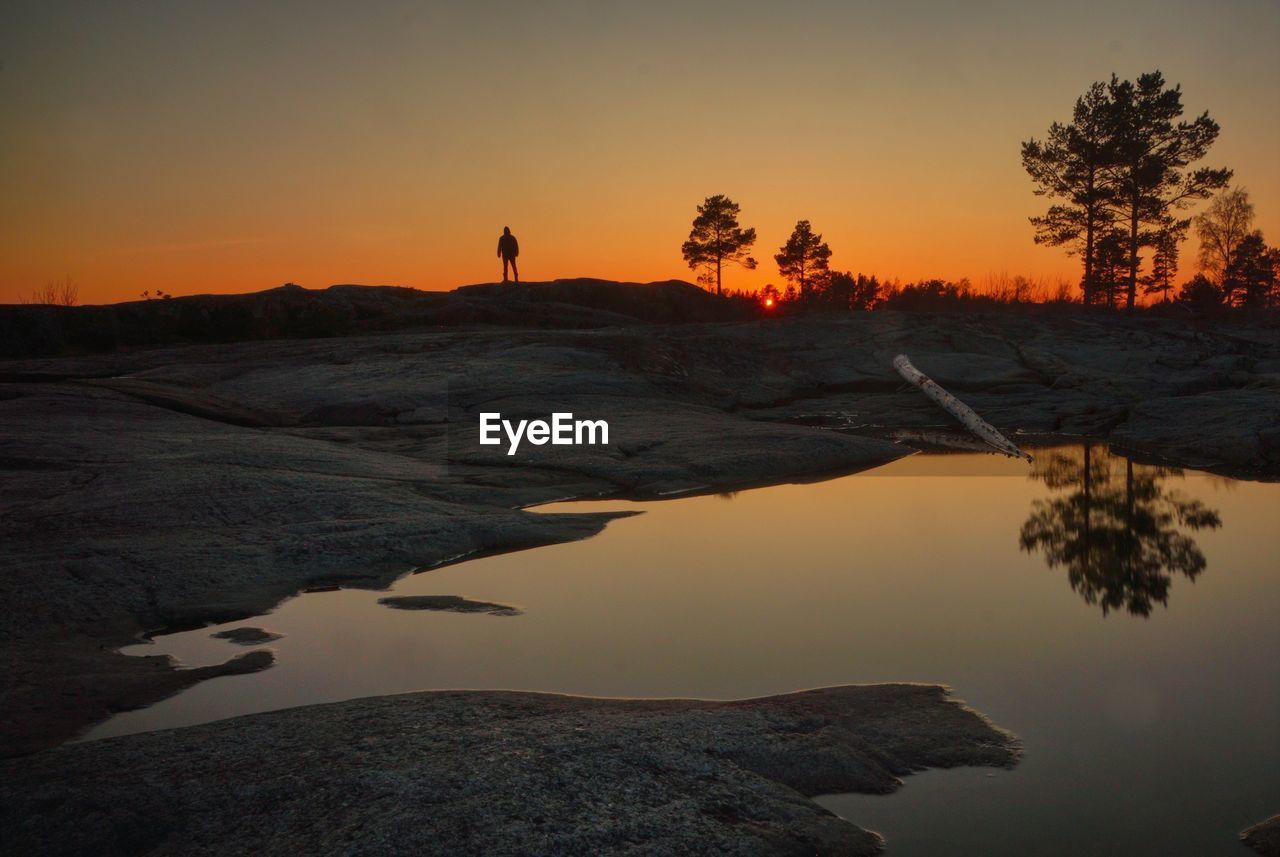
(234, 146)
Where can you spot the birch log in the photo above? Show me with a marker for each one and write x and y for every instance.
(958, 409)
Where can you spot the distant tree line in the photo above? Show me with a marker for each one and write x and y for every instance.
(717, 240)
(1120, 174)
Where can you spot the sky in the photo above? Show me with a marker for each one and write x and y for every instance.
(234, 146)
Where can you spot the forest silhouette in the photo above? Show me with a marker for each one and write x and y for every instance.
(1120, 176)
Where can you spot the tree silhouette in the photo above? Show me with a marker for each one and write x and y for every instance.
(805, 259)
(1122, 162)
(1150, 156)
(717, 240)
(1200, 292)
(1164, 260)
(1221, 227)
(1070, 165)
(847, 291)
(1109, 265)
(62, 292)
(865, 292)
(1250, 279)
(1234, 256)
(1115, 528)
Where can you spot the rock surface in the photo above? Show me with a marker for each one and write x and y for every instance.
(70, 682)
(292, 312)
(195, 483)
(1264, 837)
(182, 485)
(496, 773)
(448, 603)
(247, 636)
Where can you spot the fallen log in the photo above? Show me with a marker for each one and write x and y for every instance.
(969, 418)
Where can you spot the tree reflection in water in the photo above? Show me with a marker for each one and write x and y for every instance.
(1115, 527)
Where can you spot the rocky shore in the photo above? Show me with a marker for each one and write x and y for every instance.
(496, 773)
(206, 481)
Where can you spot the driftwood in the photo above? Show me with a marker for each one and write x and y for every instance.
(969, 418)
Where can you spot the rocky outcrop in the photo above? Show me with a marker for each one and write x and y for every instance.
(292, 312)
(1264, 837)
(496, 773)
(1239, 428)
(448, 604)
(182, 485)
(247, 636)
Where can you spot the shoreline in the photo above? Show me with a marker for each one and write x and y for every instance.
(540, 769)
(207, 483)
(363, 429)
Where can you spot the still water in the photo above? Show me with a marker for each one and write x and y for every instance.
(1121, 619)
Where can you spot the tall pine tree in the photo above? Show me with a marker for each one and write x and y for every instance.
(717, 240)
(1151, 152)
(1123, 162)
(1069, 165)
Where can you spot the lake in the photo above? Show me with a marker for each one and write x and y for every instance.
(1120, 618)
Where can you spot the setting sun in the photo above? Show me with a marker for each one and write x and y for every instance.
(389, 144)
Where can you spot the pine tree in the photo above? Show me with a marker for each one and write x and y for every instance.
(1110, 262)
(1124, 160)
(1150, 155)
(805, 259)
(717, 240)
(1070, 165)
(1164, 259)
(1251, 279)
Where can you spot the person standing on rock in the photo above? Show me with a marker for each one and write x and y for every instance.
(509, 249)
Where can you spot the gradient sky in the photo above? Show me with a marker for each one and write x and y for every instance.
(233, 146)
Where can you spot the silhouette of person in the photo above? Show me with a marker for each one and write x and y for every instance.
(509, 249)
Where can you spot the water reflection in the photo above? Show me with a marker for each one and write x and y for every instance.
(1119, 531)
(1152, 737)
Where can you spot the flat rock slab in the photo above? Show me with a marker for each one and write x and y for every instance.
(449, 603)
(1223, 427)
(497, 773)
(247, 636)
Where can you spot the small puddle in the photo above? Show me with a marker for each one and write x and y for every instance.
(1119, 618)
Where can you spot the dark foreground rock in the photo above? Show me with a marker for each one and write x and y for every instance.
(247, 636)
(69, 683)
(1264, 837)
(448, 603)
(496, 773)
